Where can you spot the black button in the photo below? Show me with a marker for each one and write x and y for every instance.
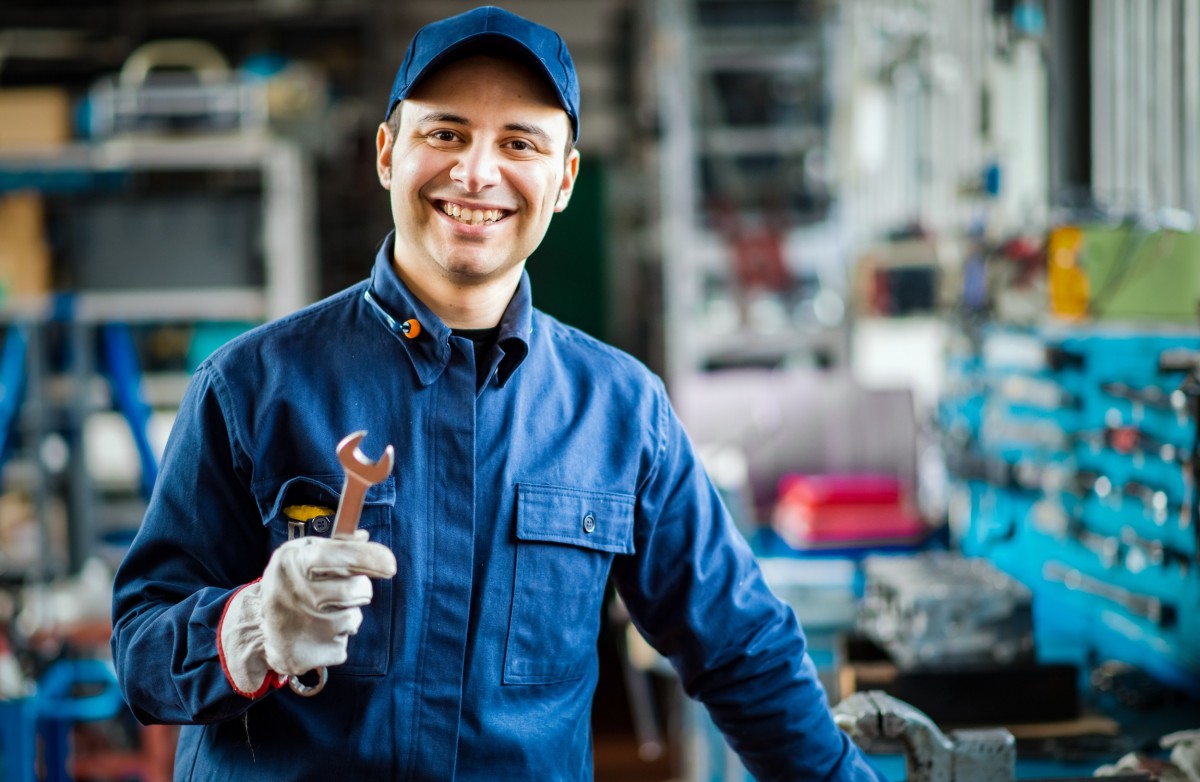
(321, 524)
(589, 523)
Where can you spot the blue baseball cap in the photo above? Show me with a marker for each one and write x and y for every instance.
(490, 30)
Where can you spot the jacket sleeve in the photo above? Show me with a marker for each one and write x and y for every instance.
(201, 539)
(695, 592)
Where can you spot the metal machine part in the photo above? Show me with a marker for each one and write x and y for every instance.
(876, 720)
(940, 609)
(176, 85)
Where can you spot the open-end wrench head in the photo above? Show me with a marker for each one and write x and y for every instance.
(356, 462)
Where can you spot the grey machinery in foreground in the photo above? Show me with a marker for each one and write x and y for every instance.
(878, 722)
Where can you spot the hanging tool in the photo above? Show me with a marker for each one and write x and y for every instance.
(1145, 606)
(1188, 399)
(361, 474)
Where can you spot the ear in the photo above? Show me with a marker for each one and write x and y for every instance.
(384, 142)
(570, 171)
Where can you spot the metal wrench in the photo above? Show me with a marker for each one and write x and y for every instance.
(361, 474)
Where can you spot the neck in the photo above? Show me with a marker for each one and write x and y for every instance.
(463, 306)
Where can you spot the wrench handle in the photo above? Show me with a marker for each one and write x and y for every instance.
(350, 507)
(345, 522)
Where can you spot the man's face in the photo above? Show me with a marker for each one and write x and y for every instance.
(477, 168)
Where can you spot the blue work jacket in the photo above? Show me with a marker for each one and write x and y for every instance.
(510, 503)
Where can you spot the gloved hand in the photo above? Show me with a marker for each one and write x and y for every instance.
(301, 613)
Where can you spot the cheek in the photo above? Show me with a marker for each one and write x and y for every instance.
(411, 173)
(406, 187)
(543, 192)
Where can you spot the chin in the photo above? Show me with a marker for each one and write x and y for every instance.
(468, 271)
(477, 268)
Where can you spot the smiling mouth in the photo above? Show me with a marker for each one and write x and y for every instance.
(468, 216)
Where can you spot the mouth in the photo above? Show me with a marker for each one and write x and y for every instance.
(470, 216)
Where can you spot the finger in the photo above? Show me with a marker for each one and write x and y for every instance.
(342, 558)
(337, 626)
(341, 593)
(304, 655)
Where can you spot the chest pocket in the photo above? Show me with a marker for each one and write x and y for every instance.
(369, 649)
(566, 541)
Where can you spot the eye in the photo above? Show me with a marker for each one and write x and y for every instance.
(443, 136)
(521, 146)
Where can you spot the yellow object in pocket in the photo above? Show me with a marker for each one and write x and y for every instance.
(306, 512)
(303, 519)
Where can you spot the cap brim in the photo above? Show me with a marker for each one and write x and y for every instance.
(486, 43)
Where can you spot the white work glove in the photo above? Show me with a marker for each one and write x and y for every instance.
(301, 613)
(1185, 752)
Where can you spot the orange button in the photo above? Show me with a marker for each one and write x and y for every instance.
(411, 328)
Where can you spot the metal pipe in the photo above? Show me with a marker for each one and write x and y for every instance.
(1121, 60)
(1166, 173)
(678, 193)
(1102, 110)
(1189, 93)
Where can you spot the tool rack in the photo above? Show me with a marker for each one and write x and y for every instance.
(1072, 455)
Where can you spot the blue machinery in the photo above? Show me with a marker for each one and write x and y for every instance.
(1073, 460)
(23, 365)
(1073, 456)
(51, 713)
(55, 707)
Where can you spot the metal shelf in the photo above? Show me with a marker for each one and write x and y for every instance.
(288, 224)
(718, 143)
(64, 402)
(732, 141)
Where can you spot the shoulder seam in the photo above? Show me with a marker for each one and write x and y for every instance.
(286, 320)
(660, 397)
(221, 393)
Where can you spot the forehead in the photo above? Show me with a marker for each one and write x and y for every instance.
(488, 83)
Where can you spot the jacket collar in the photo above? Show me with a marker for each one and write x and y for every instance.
(395, 306)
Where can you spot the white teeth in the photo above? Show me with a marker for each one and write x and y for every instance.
(472, 216)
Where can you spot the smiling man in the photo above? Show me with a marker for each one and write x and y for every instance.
(477, 158)
(458, 625)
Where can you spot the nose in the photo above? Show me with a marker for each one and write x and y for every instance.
(477, 168)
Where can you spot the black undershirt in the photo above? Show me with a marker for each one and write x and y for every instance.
(483, 340)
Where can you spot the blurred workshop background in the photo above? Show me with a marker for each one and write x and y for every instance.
(922, 276)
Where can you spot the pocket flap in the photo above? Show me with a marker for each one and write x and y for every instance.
(591, 519)
(273, 496)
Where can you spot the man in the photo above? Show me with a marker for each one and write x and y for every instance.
(532, 461)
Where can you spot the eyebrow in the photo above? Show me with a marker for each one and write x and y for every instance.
(532, 130)
(455, 119)
(443, 116)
